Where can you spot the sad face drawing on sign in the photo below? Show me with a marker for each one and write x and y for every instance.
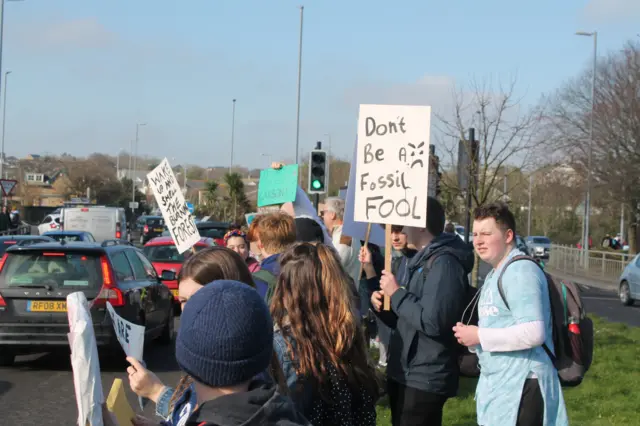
(414, 155)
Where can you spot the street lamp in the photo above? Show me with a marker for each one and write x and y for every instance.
(233, 131)
(299, 87)
(587, 203)
(117, 163)
(4, 120)
(133, 175)
(268, 156)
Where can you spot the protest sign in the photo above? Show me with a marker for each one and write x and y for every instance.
(130, 335)
(117, 404)
(278, 186)
(173, 206)
(392, 164)
(84, 361)
(249, 217)
(350, 227)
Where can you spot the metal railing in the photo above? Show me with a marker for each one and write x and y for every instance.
(23, 229)
(602, 265)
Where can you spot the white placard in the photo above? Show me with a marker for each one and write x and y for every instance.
(173, 206)
(130, 335)
(85, 364)
(392, 164)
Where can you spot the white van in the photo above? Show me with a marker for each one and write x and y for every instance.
(104, 223)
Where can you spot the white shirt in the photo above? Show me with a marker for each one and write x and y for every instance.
(348, 254)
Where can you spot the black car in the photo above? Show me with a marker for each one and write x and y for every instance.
(146, 228)
(36, 279)
(212, 229)
(7, 241)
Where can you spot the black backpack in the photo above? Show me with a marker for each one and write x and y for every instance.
(467, 361)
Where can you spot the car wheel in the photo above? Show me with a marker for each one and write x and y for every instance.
(625, 294)
(166, 338)
(7, 359)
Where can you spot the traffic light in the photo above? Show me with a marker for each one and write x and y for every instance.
(318, 172)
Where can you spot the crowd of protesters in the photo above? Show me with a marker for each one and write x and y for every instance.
(276, 327)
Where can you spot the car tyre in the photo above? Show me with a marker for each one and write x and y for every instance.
(166, 338)
(625, 294)
(7, 359)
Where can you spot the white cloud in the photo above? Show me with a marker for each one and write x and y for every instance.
(77, 33)
(612, 11)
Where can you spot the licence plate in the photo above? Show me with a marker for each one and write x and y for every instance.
(46, 306)
(158, 229)
(175, 293)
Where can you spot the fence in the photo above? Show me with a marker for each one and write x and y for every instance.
(603, 265)
(24, 229)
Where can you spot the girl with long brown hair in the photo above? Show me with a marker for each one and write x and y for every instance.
(200, 269)
(318, 339)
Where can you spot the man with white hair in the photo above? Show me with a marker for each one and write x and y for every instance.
(348, 248)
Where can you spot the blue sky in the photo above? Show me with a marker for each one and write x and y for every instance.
(85, 71)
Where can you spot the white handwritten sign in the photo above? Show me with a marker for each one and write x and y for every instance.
(392, 164)
(173, 206)
(130, 335)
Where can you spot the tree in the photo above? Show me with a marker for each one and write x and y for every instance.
(616, 129)
(87, 174)
(505, 130)
(211, 189)
(237, 201)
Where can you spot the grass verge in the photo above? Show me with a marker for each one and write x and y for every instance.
(606, 397)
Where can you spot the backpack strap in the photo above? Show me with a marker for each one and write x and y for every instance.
(269, 278)
(504, 298)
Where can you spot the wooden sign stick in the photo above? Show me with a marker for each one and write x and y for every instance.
(387, 261)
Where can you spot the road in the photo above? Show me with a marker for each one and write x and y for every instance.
(38, 390)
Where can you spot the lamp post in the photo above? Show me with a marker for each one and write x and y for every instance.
(233, 131)
(299, 86)
(133, 174)
(587, 203)
(4, 121)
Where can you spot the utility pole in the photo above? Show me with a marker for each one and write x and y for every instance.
(299, 87)
(471, 183)
(529, 210)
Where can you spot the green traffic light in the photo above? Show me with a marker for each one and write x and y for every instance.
(316, 184)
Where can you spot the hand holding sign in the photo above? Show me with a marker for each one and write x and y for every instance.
(144, 382)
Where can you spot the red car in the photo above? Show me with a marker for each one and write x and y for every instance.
(163, 254)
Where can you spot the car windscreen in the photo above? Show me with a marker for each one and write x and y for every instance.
(58, 270)
(69, 238)
(211, 232)
(167, 253)
(541, 240)
(155, 221)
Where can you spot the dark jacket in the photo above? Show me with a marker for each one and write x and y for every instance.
(422, 347)
(270, 264)
(337, 404)
(262, 405)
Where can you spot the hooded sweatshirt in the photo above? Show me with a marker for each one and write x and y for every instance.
(261, 405)
(433, 295)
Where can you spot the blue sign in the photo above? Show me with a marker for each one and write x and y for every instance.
(190, 207)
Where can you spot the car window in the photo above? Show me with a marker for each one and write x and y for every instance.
(47, 219)
(167, 253)
(541, 240)
(148, 267)
(90, 238)
(121, 266)
(637, 261)
(58, 270)
(138, 267)
(155, 221)
(69, 238)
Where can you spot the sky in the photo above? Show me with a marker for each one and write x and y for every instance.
(84, 72)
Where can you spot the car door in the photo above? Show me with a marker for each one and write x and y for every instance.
(149, 296)
(127, 284)
(165, 297)
(634, 278)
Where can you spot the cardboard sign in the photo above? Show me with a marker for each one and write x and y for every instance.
(278, 186)
(130, 335)
(117, 404)
(173, 206)
(392, 173)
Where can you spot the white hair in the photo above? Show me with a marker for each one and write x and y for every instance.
(335, 205)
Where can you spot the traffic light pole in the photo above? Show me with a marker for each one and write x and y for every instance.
(316, 198)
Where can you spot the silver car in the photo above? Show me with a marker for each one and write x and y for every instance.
(539, 246)
(629, 289)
